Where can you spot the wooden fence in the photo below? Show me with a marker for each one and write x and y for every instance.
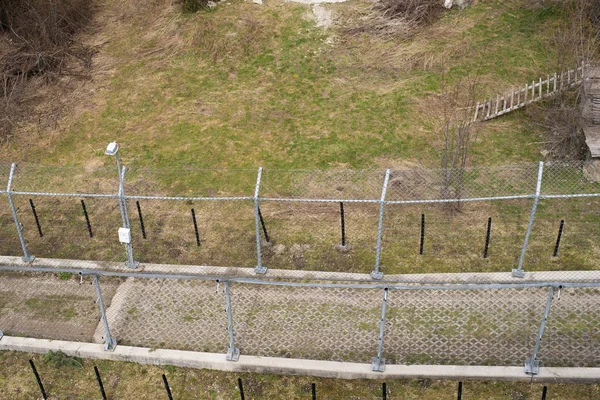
(519, 98)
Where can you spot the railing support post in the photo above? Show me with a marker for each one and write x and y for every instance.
(110, 343)
(376, 274)
(260, 269)
(378, 363)
(26, 256)
(518, 272)
(532, 366)
(130, 263)
(233, 353)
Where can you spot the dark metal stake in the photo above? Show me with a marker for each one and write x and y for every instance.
(459, 391)
(487, 237)
(544, 392)
(87, 219)
(314, 391)
(167, 388)
(100, 382)
(384, 391)
(241, 388)
(343, 224)
(39, 381)
(560, 231)
(264, 228)
(37, 220)
(196, 227)
(137, 203)
(422, 233)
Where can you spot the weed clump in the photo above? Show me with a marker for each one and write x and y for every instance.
(59, 359)
(192, 6)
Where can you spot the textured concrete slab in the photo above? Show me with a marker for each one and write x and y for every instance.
(287, 366)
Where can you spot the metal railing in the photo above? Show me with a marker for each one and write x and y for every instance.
(377, 324)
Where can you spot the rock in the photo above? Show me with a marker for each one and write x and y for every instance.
(591, 171)
(279, 249)
(257, 2)
(211, 4)
(345, 248)
(323, 17)
(297, 250)
(459, 3)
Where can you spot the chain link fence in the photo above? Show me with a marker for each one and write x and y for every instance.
(148, 258)
(478, 324)
(525, 217)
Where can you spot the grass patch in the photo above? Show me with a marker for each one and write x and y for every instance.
(59, 359)
(246, 85)
(130, 380)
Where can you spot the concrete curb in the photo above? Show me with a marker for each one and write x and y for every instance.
(288, 366)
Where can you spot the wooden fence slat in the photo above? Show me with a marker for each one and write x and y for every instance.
(555, 83)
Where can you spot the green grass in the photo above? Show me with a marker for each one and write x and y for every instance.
(128, 380)
(248, 86)
(55, 305)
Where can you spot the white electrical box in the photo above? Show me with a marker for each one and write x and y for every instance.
(125, 235)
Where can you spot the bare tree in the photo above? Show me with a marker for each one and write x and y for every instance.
(458, 134)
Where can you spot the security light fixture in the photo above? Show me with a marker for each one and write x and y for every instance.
(112, 149)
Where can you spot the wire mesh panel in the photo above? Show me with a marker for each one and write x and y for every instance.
(565, 235)
(452, 237)
(71, 228)
(335, 235)
(320, 236)
(50, 306)
(572, 335)
(9, 240)
(476, 182)
(569, 178)
(329, 185)
(312, 323)
(167, 313)
(92, 178)
(190, 182)
(474, 327)
(193, 232)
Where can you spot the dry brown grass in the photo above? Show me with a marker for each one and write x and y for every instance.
(400, 18)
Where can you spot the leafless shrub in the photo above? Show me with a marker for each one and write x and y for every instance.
(399, 17)
(40, 43)
(457, 134)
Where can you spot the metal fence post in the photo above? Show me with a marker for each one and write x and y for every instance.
(233, 353)
(26, 256)
(110, 343)
(130, 263)
(378, 363)
(519, 273)
(260, 269)
(532, 366)
(376, 274)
